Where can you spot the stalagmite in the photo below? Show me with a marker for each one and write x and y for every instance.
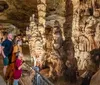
(36, 31)
(32, 34)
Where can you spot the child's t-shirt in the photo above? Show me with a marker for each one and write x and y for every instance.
(17, 72)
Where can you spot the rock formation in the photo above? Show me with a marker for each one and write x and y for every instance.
(66, 29)
(34, 38)
(36, 31)
(85, 30)
(95, 79)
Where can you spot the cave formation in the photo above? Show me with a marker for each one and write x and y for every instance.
(63, 31)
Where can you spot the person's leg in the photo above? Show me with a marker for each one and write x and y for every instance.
(5, 61)
(15, 82)
(4, 70)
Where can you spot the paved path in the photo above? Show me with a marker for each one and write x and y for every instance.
(2, 82)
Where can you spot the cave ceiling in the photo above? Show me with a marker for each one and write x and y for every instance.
(17, 12)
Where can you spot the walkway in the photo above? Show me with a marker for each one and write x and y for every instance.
(2, 82)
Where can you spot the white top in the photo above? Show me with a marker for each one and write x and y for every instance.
(37, 60)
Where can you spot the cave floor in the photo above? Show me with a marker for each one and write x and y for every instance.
(2, 82)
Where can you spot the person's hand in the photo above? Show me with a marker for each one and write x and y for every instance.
(23, 64)
(23, 58)
(4, 56)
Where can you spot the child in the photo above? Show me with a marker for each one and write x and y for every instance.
(37, 61)
(18, 68)
(37, 66)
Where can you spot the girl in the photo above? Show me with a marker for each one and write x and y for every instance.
(38, 60)
(18, 68)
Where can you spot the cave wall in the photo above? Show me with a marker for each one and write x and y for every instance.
(80, 24)
(58, 44)
(78, 28)
(86, 31)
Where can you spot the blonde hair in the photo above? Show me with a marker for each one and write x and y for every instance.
(20, 54)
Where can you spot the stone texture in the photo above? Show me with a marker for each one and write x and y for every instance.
(8, 27)
(36, 42)
(22, 10)
(86, 19)
(95, 79)
(77, 33)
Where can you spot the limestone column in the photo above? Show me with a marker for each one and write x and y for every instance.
(68, 29)
(75, 14)
(36, 31)
(41, 7)
(75, 24)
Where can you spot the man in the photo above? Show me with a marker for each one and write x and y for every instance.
(7, 47)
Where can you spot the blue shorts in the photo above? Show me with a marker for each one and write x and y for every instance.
(5, 61)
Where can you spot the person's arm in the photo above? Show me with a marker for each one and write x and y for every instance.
(3, 52)
(2, 47)
(19, 65)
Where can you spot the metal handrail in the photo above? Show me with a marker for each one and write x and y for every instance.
(44, 78)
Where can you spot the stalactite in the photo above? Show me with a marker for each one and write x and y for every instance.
(41, 7)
